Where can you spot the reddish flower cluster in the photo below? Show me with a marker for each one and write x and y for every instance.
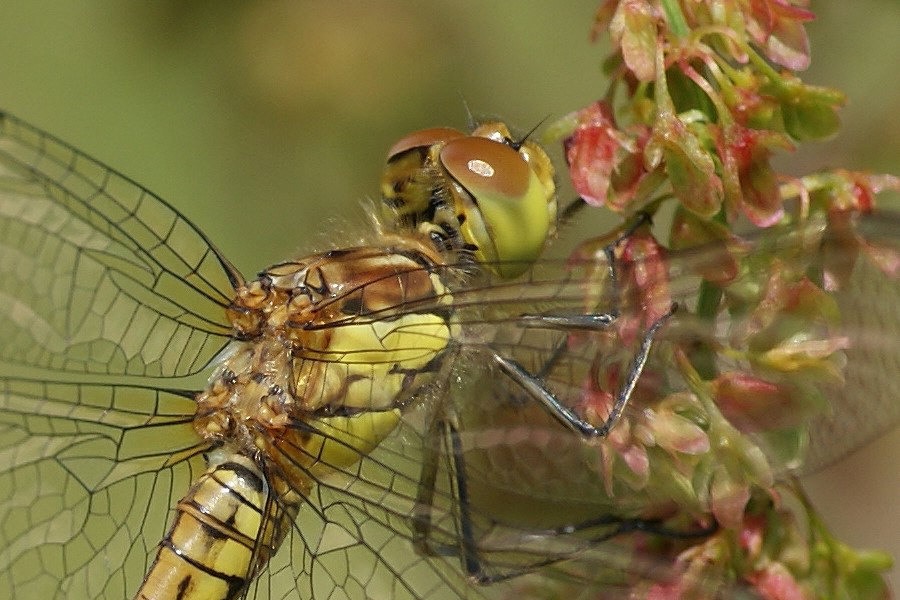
(696, 109)
(705, 110)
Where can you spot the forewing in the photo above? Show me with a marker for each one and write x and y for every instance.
(98, 275)
(585, 366)
(867, 404)
(104, 289)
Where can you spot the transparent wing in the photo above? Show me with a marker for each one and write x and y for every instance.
(355, 538)
(537, 499)
(97, 274)
(866, 404)
(102, 285)
(769, 322)
(89, 475)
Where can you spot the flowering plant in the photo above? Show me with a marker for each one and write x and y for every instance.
(702, 95)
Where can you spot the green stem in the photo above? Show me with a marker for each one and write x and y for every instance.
(703, 358)
(763, 67)
(675, 18)
(709, 298)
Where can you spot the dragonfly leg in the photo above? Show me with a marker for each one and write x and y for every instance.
(534, 386)
(633, 525)
(422, 524)
(467, 546)
(583, 535)
(421, 518)
(592, 321)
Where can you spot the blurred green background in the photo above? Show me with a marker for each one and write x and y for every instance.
(267, 123)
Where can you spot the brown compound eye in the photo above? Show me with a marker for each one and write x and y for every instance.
(424, 139)
(507, 218)
(485, 167)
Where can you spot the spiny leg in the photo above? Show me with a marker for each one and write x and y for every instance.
(468, 550)
(534, 385)
(585, 533)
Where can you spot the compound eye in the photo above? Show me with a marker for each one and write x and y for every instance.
(424, 139)
(485, 167)
(508, 218)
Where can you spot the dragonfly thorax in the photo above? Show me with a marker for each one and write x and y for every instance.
(333, 335)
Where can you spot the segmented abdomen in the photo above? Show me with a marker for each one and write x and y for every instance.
(215, 547)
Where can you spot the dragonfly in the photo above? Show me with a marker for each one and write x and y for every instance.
(405, 418)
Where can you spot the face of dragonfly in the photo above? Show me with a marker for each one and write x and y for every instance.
(388, 410)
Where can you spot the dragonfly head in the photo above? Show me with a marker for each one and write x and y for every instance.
(482, 193)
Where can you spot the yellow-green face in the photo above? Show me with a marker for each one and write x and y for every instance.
(482, 193)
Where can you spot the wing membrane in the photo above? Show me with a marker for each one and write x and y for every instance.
(89, 473)
(861, 403)
(866, 405)
(99, 275)
(354, 537)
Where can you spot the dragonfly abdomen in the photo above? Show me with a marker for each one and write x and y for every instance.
(215, 545)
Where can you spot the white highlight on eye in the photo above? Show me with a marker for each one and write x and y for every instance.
(479, 167)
